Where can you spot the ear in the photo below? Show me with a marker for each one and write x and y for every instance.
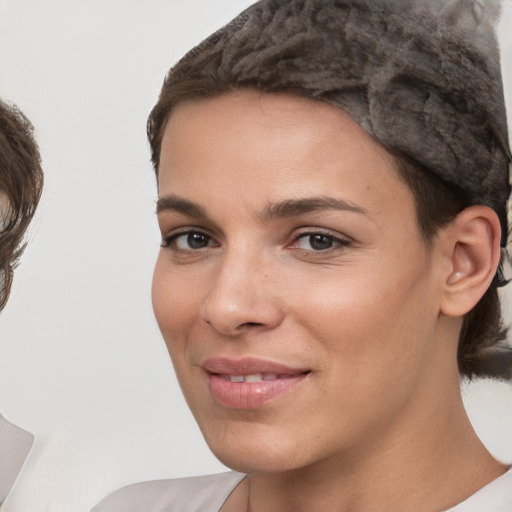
(473, 248)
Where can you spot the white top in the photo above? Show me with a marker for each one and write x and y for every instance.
(494, 497)
(208, 493)
(15, 444)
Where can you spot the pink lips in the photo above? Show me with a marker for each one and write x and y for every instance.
(249, 383)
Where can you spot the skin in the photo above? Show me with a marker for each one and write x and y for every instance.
(374, 314)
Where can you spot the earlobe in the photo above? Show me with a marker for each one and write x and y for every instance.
(473, 247)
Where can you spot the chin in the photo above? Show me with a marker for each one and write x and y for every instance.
(257, 462)
(255, 452)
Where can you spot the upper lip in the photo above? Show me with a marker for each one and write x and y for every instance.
(248, 366)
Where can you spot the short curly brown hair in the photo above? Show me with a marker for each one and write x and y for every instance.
(21, 183)
(414, 79)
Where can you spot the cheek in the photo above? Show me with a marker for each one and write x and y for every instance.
(373, 349)
(370, 322)
(175, 301)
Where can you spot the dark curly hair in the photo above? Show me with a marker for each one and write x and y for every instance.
(21, 183)
(423, 78)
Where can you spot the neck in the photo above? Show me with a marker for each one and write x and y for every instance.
(430, 462)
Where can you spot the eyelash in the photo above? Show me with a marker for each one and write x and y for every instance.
(337, 242)
(170, 240)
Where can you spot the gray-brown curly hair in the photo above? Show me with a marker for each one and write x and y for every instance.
(421, 76)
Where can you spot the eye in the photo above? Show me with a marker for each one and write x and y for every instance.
(318, 242)
(189, 241)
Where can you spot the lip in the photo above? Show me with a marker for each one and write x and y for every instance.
(250, 395)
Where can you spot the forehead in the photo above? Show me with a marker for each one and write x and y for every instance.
(283, 114)
(268, 146)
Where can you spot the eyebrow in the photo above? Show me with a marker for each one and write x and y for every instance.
(280, 210)
(294, 207)
(173, 203)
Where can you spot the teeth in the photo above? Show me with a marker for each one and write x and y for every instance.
(253, 377)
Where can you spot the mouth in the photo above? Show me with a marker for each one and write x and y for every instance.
(255, 377)
(250, 383)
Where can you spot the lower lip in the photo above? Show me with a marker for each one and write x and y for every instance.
(250, 395)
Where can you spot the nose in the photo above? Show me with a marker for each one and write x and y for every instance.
(243, 297)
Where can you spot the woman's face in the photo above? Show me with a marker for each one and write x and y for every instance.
(297, 299)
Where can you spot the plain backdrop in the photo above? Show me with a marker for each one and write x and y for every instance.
(82, 364)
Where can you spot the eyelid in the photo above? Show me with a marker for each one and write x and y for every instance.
(171, 220)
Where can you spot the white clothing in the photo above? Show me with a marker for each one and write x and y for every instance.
(15, 444)
(208, 494)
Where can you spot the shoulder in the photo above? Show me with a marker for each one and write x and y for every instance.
(194, 494)
(11, 435)
(494, 497)
(15, 443)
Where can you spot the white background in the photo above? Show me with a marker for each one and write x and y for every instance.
(82, 364)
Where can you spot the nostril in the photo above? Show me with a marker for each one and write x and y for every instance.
(250, 324)
(232, 311)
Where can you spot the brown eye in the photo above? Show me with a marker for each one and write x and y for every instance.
(316, 242)
(321, 242)
(189, 241)
(197, 240)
